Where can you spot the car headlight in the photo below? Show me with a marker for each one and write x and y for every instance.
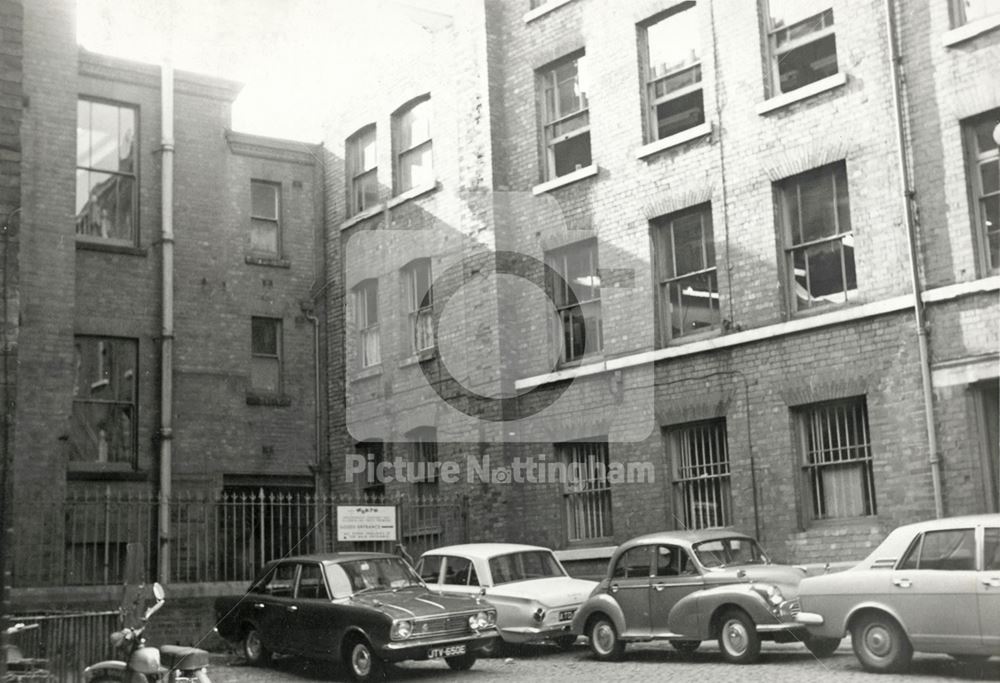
(772, 594)
(479, 621)
(491, 617)
(401, 630)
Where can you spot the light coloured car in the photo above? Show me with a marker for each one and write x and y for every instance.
(690, 586)
(932, 586)
(534, 596)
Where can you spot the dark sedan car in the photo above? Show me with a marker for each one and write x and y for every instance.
(363, 609)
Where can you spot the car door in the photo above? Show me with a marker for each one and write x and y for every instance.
(934, 591)
(458, 576)
(675, 576)
(269, 606)
(988, 590)
(630, 585)
(312, 618)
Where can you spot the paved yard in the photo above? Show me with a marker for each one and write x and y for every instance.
(643, 662)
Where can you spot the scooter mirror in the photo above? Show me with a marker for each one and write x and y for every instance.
(158, 591)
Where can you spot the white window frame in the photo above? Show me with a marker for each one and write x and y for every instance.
(420, 305)
(274, 357)
(587, 499)
(553, 116)
(699, 458)
(790, 204)
(112, 390)
(776, 52)
(977, 160)
(959, 17)
(369, 338)
(835, 442)
(272, 221)
(359, 172)
(566, 306)
(669, 282)
(652, 78)
(416, 147)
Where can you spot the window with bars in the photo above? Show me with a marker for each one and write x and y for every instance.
(265, 352)
(965, 11)
(374, 453)
(423, 449)
(984, 186)
(818, 240)
(674, 99)
(366, 322)
(362, 171)
(265, 210)
(801, 42)
(103, 425)
(107, 167)
(587, 492)
(573, 279)
(413, 153)
(836, 447)
(419, 297)
(566, 117)
(688, 289)
(700, 464)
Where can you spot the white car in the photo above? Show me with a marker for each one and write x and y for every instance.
(534, 596)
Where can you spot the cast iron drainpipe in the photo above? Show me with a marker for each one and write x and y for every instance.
(934, 458)
(167, 334)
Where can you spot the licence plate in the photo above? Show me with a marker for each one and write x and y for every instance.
(566, 614)
(450, 651)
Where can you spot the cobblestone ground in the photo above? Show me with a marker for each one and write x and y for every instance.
(642, 662)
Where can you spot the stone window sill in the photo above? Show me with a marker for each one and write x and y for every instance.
(542, 10)
(561, 181)
(84, 244)
(970, 30)
(363, 216)
(803, 93)
(674, 140)
(267, 261)
(419, 357)
(273, 400)
(367, 373)
(412, 193)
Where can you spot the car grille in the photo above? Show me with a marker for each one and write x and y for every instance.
(439, 625)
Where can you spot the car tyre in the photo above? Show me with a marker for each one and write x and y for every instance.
(822, 648)
(738, 638)
(565, 643)
(252, 648)
(363, 664)
(685, 647)
(461, 662)
(880, 644)
(604, 641)
(494, 648)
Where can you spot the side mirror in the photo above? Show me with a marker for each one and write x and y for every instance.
(158, 592)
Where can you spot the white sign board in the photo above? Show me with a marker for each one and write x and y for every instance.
(366, 522)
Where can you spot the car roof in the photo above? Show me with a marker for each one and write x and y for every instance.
(483, 551)
(950, 522)
(334, 558)
(682, 538)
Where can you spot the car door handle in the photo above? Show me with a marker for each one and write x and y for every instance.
(992, 582)
(292, 608)
(614, 588)
(659, 586)
(258, 605)
(902, 583)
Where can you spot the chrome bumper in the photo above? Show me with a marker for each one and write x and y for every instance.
(808, 619)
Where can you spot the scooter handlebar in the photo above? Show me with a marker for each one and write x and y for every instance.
(152, 610)
(20, 626)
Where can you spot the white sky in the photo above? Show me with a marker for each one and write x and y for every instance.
(294, 56)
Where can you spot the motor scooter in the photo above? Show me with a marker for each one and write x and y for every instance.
(166, 664)
(20, 668)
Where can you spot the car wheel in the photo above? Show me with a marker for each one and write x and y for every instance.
(969, 659)
(880, 643)
(494, 648)
(685, 647)
(738, 639)
(565, 642)
(253, 649)
(362, 663)
(822, 647)
(461, 662)
(604, 642)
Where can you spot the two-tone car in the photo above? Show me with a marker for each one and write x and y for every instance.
(535, 597)
(363, 609)
(932, 586)
(691, 586)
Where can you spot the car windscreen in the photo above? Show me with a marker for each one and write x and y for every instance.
(723, 552)
(379, 573)
(529, 564)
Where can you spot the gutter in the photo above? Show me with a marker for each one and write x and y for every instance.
(167, 333)
(908, 199)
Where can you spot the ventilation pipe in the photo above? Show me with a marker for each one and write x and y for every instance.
(167, 333)
(934, 459)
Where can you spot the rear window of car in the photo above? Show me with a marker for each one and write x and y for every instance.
(281, 582)
(522, 566)
(946, 550)
(634, 562)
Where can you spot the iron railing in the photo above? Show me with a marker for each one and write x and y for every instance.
(61, 645)
(214, 538)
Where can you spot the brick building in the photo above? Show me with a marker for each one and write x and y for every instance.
(673, 240)
(155, 348)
